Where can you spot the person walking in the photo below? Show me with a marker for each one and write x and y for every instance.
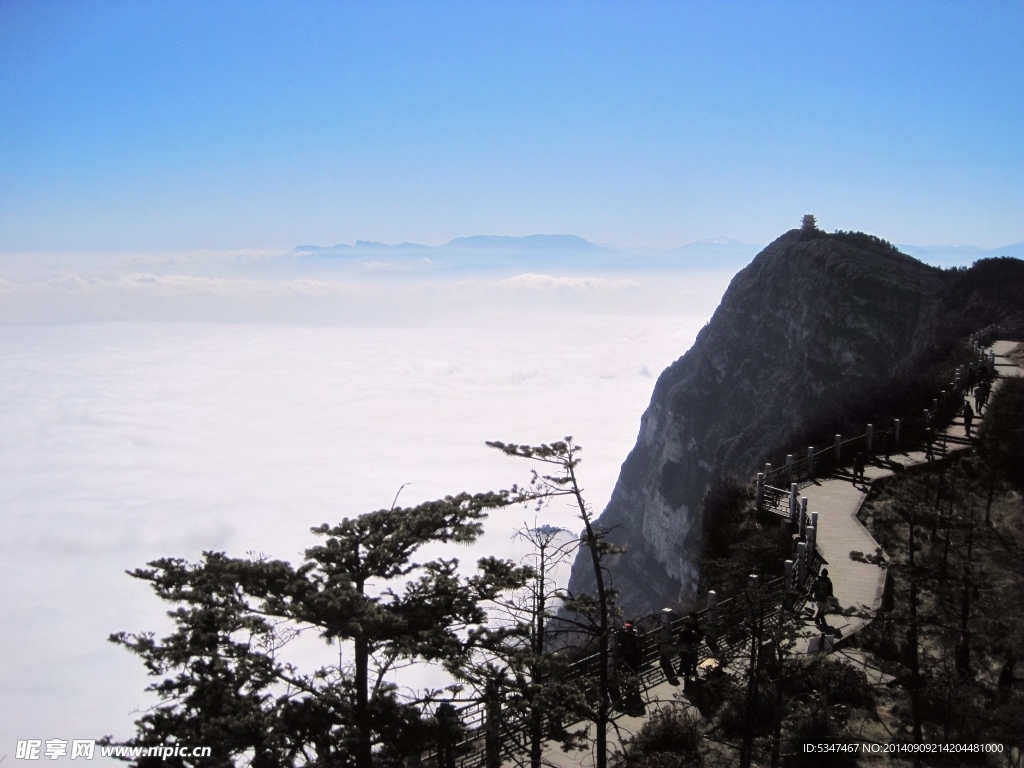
(968, 418)
(822, 593)
(858, 468)
(667, 646)
(447, 734)
(630, 652)
(689, 646)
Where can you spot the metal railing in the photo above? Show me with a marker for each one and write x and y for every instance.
(726, 636)
(726, 620)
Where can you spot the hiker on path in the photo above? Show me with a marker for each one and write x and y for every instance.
(968, 418)
(447, 734)
(822, 593)
(689, 645)
(667, 646)
(858, 468)
(629, 647)
(986, 390)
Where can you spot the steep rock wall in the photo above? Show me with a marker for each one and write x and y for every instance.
(815, 322)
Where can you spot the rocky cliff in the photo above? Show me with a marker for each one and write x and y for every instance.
(816, 322)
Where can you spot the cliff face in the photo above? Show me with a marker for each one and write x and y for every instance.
(814, 322)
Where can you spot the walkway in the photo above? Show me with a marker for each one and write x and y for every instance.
(837, 502)
(856, 585)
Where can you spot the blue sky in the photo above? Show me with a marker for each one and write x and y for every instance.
(219, 125)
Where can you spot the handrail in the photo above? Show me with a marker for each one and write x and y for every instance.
(473, 716)
(819, 462)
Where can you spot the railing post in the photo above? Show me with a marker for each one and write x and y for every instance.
(810, 549)
(752, 581)
(789, 574)
(760, 491)
(896, 433)
(838, 447)
(792, 502)
(767, 470)
(927, 417)
(871, 436)
(812, 532)
(789, 467)
(712, 607)
(810, 461)
(802, 515)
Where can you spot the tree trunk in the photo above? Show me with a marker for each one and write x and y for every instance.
(364, 757)
(747, 747)
(991, 493)
(601, 721)
(492, 735)
(536, 716)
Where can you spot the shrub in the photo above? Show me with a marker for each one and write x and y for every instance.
(671, 738)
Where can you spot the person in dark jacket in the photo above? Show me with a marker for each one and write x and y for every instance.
(986, 390)
(822, 594)
(968, 418)
(629, 650)
(629, 646)
(858, 468)
(689, 646)
(447, 734)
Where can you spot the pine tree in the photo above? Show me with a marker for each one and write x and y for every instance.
(591, 615)
(232, 693)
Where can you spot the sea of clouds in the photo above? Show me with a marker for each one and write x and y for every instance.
(165, 405)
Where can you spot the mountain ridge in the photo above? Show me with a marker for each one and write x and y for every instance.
(816, 323)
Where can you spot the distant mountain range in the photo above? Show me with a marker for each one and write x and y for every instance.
(538, 252)
(573, 252)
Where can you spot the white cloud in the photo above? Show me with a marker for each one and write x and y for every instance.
(128, 441)
(533, 282)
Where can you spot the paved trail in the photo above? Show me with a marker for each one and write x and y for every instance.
(837, 501)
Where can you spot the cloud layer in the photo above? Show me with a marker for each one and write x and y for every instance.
(129, 441)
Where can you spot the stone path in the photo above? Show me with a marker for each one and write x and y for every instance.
(861, 585)
(837, 502)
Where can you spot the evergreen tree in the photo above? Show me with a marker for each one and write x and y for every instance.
(591, 616)
(232, 692)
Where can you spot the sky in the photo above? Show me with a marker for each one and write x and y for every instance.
(191, 125)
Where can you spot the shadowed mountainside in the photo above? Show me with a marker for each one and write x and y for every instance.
(816, 324)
